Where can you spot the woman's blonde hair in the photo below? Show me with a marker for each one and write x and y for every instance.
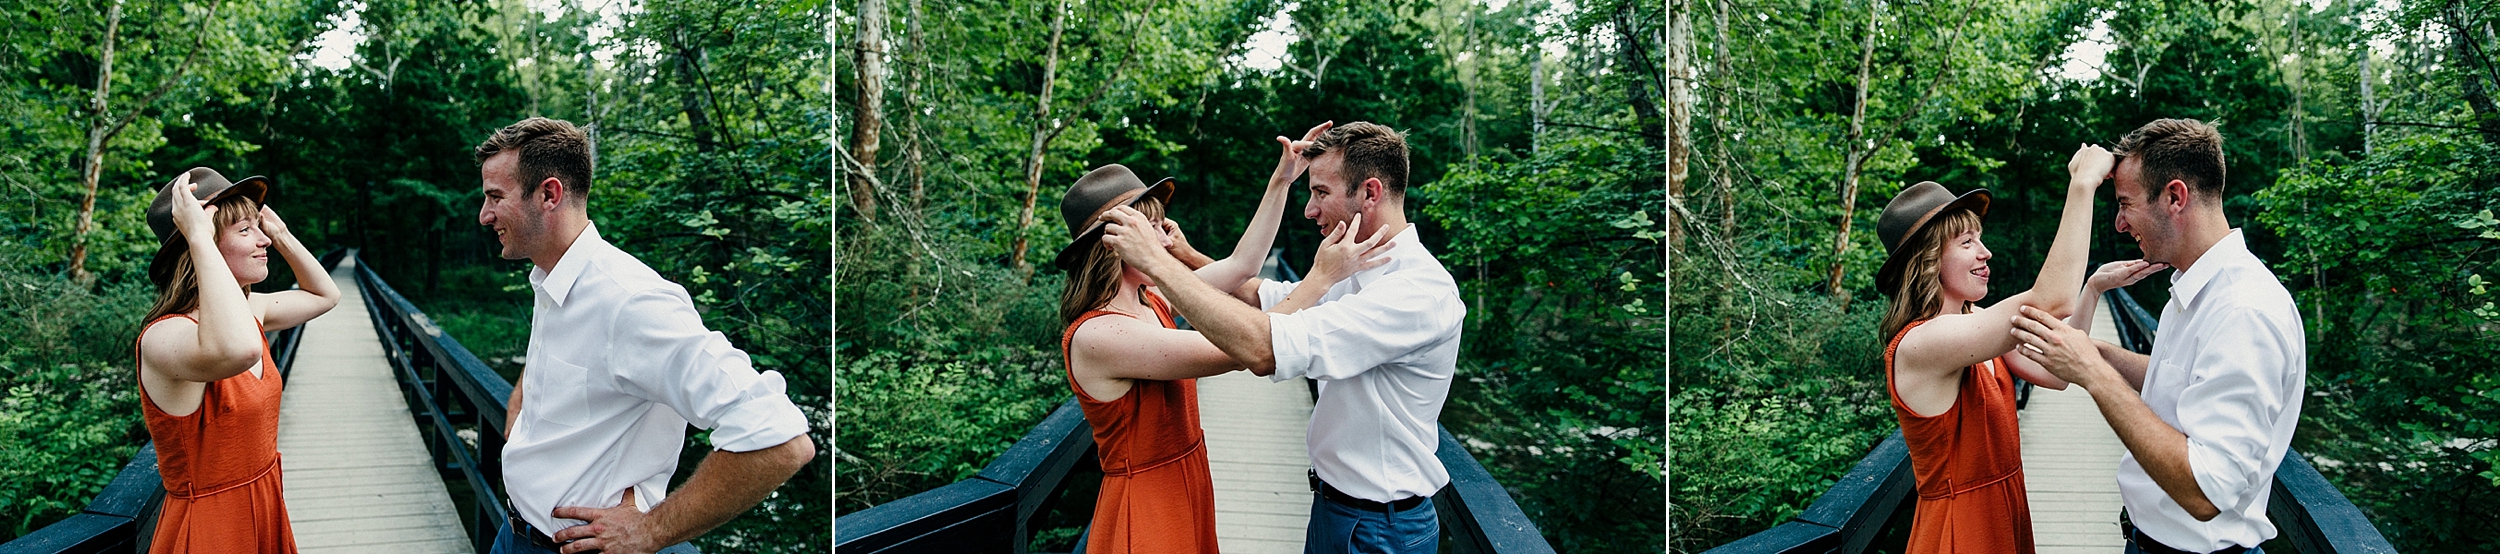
(1915, 300)
(182, 293)
(1097, 273)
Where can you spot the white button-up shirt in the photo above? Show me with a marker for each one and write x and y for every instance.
(1383, 346)
(2228, 370)
(619, 363)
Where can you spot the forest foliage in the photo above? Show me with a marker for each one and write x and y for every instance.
(948, 347)
(2360, 138)
(710, 122)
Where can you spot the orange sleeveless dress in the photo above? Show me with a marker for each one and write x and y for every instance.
(223, 489)
(1157, 495)
(1968, 462)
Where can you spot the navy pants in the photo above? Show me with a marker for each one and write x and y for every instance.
(1340, 529)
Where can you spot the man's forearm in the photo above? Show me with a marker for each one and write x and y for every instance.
(2129, 364)
(1236, 328)
(2160, 449)
(726, 484)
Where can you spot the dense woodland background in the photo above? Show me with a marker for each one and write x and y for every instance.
(1536, 131)
(2362, 141)
(711, 122)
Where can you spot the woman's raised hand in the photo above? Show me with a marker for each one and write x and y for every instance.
(1340, 256)
(191, 216)
(2121, 273)
(269, 222)
(2090, 166)
(1291, 164)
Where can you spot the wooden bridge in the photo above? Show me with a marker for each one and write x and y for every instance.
(358, 477)
(2070, 465)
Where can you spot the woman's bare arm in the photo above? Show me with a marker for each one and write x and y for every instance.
(1251, 251)
(1955, 341)
(287, 309)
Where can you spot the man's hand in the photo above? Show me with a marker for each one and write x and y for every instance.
(2061, 349)
(1136, 240)
(623, 529)
(2121, 273)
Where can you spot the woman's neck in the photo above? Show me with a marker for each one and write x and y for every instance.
(1128, 301)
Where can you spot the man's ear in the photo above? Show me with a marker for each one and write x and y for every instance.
(2176, 196)
(1372, 192)
(551, 193)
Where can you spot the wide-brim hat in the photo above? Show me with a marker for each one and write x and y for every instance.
(1096, 193)
(212, 188)
(1908, 214)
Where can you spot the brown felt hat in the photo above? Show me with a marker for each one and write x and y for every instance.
(1909, 213)
(212, 188)
(1096, 193)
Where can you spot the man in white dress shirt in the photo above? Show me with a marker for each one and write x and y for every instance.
(619, 364)
(2222, 389)
(1382, 345)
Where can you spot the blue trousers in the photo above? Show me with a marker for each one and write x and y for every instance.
(1340, 529)
(508, 543)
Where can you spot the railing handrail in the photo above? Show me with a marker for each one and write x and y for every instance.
(433, 367)
(991, 511)
(114, 520)
(1848, 516)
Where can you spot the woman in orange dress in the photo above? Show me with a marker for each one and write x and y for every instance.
(1946, 363)
(1135, 373)
(207, 386)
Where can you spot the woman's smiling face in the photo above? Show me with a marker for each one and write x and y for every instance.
(1963, 269)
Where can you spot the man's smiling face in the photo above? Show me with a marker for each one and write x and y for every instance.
(510, 208)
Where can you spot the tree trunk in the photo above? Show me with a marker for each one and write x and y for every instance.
(1536, 99)
(1856, 161)
(1679, 114)
(1636, 57)
(911, 115)
(1725, 175)
(1042, 126)
(2474, 69)
(98, 131)
(867, 120)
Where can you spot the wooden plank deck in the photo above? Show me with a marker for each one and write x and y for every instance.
(2070, 465)
(1255, 448)
(357, 477)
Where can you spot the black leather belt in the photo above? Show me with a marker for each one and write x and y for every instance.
(521, 528)
(2150, 546)
(1350, 501)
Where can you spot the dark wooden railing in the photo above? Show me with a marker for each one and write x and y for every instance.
(996, 510)
(449, 391)
(122, 516)
(1870, 501)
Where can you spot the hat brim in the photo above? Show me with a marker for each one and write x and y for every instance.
(1070, 255)
(1888, 278)
(160, 268)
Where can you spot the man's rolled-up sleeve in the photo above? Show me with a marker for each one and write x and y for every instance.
(662, 353)
(2229, 409)
(1356, 332)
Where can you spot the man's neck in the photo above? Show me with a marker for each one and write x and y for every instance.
(567, 230)
(1391, 217)
(2199, 234)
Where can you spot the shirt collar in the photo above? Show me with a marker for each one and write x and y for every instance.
(559, 283)
(1404, 244)
(2231, 250)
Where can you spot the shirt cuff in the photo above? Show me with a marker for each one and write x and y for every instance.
(2223, 480)
(1285, 342)
(763, 420)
